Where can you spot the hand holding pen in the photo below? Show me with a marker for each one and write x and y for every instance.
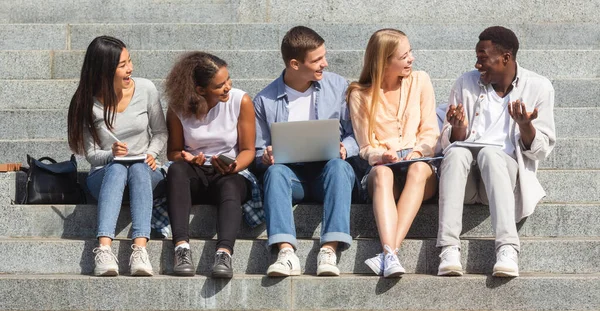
(119, 148)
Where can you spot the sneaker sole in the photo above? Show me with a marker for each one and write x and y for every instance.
(184, 273)
(505, 274)
(106, 273)
(374, 267)
(328, 271)
(396, 274)
(450, 273)
(142, 273)
(222, 274)
(282, 273)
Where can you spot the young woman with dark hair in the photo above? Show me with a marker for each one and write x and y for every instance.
(113, 115)
(207, 118)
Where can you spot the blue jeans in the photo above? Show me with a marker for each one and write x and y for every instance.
(107, 185)
(328, 182)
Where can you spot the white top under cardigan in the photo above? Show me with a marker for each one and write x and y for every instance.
(217, 132)
(535, 91)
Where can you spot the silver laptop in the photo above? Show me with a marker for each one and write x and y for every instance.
(305, 141)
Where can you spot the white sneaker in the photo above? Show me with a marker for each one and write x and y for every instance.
(507, 262)
(450, 261)
(376, 263)
(139, 263)
(287, 264)
(105, 262)
(327, 262)
(391, 264)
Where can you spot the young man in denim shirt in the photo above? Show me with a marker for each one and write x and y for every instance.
(305, 92)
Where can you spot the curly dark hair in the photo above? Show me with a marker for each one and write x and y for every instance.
(191, 70)
(502, 38)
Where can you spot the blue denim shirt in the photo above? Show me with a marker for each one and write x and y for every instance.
(271, 105)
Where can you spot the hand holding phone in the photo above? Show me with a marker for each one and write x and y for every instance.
(226, 159)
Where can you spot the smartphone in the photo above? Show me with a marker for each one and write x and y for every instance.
(226, 159)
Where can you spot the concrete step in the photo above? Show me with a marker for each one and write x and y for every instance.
(79, 222)
(538, 255)
(243, 36)
(56, 94)
(304, 12)
(267, 64)
(348, 292)
(569, 153)
(22, 124)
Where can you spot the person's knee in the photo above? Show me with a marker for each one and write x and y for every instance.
(339, 167)
(381, 175)
(419, 172)
(487, 154)
(276, 171)
(177, 170)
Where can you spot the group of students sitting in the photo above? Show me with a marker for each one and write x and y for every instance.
(387, 116)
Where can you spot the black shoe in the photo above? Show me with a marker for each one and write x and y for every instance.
(222, 266)
(182, 265)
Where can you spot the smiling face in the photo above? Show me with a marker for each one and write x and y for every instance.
(122, 78)
(312, 67)
(218, 89)
(491, 62)
(400, 63)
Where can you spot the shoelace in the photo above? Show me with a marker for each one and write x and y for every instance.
(446, 253)
(221, 259)
(506, 254)
(104, 255)
(282, 257)
(393, 253)
(138, 254)
(328, 256)
(183, 256)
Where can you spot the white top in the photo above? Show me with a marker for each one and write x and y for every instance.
(495, 122)
(217, 132)
(301, 105)
(536, 92)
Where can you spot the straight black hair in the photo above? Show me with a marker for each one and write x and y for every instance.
(97, 79)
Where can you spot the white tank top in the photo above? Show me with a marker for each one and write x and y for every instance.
(217, 133)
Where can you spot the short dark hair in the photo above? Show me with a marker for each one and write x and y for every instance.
(297, 42)
(502, 38)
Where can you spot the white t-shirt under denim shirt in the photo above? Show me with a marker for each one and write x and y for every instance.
(301, 104)
(217, 132)
(141, 125)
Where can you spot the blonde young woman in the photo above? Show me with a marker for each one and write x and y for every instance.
(393, 114)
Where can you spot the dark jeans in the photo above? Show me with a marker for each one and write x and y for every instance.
(189, 184)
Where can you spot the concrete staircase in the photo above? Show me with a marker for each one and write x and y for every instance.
(45, 250)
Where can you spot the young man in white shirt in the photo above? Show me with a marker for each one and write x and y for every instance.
(504, 104)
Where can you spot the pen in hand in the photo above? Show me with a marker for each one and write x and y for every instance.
(119, 148)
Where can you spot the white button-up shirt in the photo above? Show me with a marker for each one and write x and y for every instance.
(535, 91)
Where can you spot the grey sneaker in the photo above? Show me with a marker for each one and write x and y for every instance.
(327, 263)
(182, 265)
(287, 264)
(376, 263)
(507, 262)
(139, 263)
(222, 268)
(105, 262)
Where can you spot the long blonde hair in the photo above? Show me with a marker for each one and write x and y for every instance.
(382, 45)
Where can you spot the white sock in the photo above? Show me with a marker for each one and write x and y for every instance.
(184, 245)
